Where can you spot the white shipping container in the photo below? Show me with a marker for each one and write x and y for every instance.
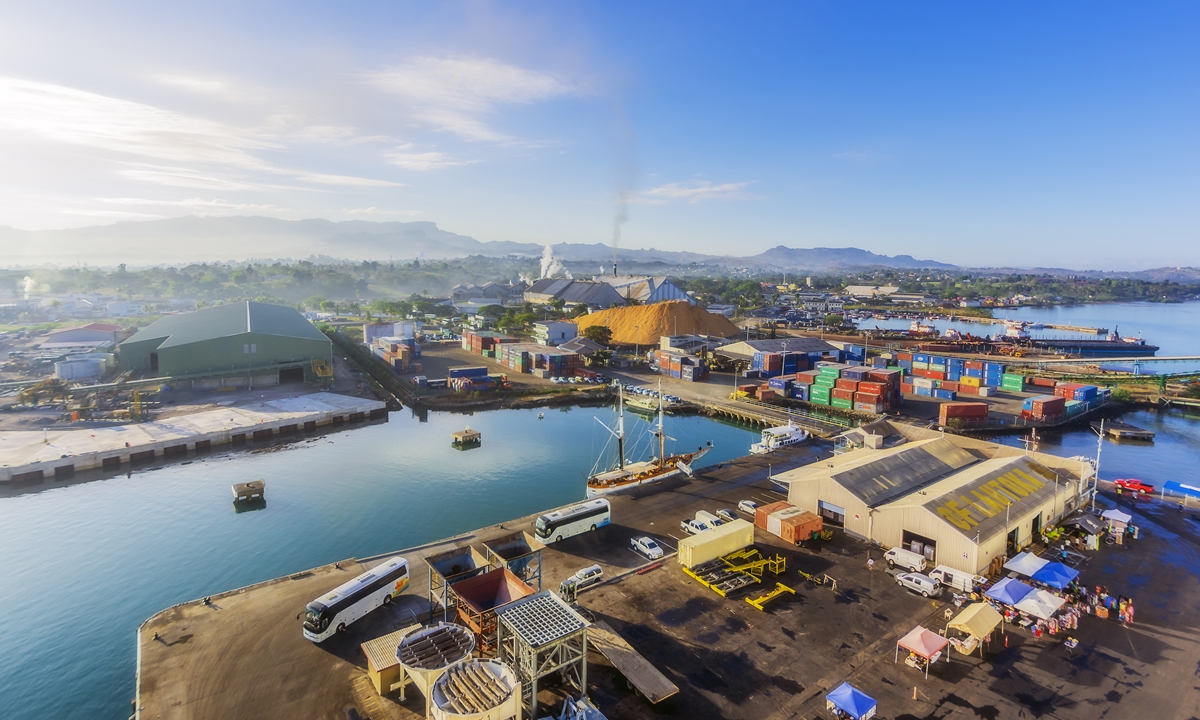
(922, 382)
(712, 544)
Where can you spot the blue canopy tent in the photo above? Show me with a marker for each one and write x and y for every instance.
(1008, 591)
(851, 701)
(1177, 488)
(1056, 575)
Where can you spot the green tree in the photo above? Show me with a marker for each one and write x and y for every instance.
(832, 319)
(599, 334)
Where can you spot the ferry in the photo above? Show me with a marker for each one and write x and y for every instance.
(919, 328)
(774, 438)
(628, 475)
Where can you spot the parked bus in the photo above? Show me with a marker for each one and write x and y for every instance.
(574, 520)
(332, 612)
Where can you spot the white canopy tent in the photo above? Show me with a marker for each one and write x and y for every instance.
(1040, 604)
(1025, 564)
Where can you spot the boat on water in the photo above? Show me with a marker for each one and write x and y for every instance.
(919, 328)
(774, 438)
(628, 475)
(1112, 346)
(649, 404)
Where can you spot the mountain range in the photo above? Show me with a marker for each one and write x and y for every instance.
(210, 239)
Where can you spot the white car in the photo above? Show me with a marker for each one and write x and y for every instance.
(646, 547)
(588, 576)
(692, 527)
(923, 584)
(748, 507)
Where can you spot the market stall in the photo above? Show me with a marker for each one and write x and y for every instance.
(1118, 523)
(924, 648)
(1025, 564)
(977, 622)
(847, 701)
(1040, 604)
(1089, 526)
(1056, 575)
(1008, 591)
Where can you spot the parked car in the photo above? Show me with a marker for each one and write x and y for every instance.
(1135, 485)
(748, 507)
(709, 519)
(588, 576)
(905, 559)
(727, 515)
(692, 527)
(923, 584)
(646, 547)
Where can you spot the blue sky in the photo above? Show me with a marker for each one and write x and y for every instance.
(1016, 134)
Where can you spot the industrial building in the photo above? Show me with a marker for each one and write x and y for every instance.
(745, 349)
(84, 337)
(245, 343)
(573, 293)
(646, 289)
(959, 502)
(554, 333)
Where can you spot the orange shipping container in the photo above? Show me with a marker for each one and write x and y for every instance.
(762, 512)
(794, 525)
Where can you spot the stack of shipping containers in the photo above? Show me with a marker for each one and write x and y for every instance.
(398, 353)
(680, 365)
(482, 342)
(963, 414)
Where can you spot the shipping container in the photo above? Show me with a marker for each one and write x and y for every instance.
(463, 371)
(762, 512)
(716, 542)
(794, 525)
(841, 404)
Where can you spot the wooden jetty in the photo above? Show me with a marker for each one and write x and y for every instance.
(466, 438)
(253, 490)
(1118, 430)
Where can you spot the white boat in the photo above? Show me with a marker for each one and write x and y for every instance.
(627, 475)
(774, 438)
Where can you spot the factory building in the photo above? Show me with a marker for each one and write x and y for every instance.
(646, 289)
(960, 502)
(247, 342)
(573, 293)
(81, 338)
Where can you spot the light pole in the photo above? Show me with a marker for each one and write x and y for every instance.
(1096, 479)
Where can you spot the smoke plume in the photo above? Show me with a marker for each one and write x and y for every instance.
(551, 265)
(28, 283)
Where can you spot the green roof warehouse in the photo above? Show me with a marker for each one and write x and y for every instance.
(247, 342)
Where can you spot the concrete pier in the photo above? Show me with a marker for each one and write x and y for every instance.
(32, 455)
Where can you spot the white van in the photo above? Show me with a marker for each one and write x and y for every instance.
(918, 583)
(957, 579)
(709, 519)
(905, 559)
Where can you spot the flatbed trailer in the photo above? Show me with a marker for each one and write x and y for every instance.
(645, 678)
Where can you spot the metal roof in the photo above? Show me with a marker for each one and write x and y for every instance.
(577, 292)
(747, 348)
(540, 619)
(230, 319)
(892, 475)
(985, 498)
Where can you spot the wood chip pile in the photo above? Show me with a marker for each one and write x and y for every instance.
(645, 324)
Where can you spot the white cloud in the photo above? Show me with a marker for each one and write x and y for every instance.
(456, 94)
(202, 86)
(180, 177)
(326, 133)
(404, 157)
(114, 214)
(692, 193)
(199, 205)
(344, 180)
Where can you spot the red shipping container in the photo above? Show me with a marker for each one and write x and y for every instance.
(808, 378)
(872, 387)
(762, 512)
(935, 374)
(841, 394)
(963, 409)
(766, 393)
(973, 365)
(904, 356)
(906, 388)
(1049, 406)
(887, 377)
(1042, 382)
(948, 385)
(862, 397)
(967, 389)
(845, 384)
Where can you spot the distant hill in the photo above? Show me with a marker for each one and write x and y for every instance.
(838, 258)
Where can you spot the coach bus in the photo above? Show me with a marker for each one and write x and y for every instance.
(581, 518)
(332, 612)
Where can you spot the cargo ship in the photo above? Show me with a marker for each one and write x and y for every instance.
(629, 475)
(1112, 346)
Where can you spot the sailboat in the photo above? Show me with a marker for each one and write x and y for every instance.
(628, 475)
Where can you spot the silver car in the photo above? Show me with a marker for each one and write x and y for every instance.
(923, 584)
(646, 547)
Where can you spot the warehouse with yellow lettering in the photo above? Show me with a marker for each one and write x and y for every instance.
(960, 502)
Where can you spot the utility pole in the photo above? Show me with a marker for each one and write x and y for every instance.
(1096, 479)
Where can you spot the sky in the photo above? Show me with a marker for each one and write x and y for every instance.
(982, 134)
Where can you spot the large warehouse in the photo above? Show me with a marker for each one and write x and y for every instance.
(244, 343)
(959, 502)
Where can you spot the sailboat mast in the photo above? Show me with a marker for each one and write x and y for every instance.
(621, 427)
(661, 437)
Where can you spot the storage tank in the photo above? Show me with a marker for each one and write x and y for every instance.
(712, 544)
(79, 369)
(428, 653)
(479, 690)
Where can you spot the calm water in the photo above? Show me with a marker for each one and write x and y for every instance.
(83, 565)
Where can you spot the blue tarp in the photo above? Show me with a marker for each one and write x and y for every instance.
(1178, 488)
(1056, 575)
(852, 701)
(1008, 591)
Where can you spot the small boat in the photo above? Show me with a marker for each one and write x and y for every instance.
(774, 438)
(629, 475)
(541, 415)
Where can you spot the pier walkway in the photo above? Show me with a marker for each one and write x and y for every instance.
(30, 455)
(764, 414)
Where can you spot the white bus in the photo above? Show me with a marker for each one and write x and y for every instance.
(574, 520)
(332, 612)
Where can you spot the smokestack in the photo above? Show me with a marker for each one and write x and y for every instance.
(614, 268)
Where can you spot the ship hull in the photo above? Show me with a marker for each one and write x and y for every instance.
(615, 487)
(1097, 348)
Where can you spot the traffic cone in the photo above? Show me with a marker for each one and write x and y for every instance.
(914, 692)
